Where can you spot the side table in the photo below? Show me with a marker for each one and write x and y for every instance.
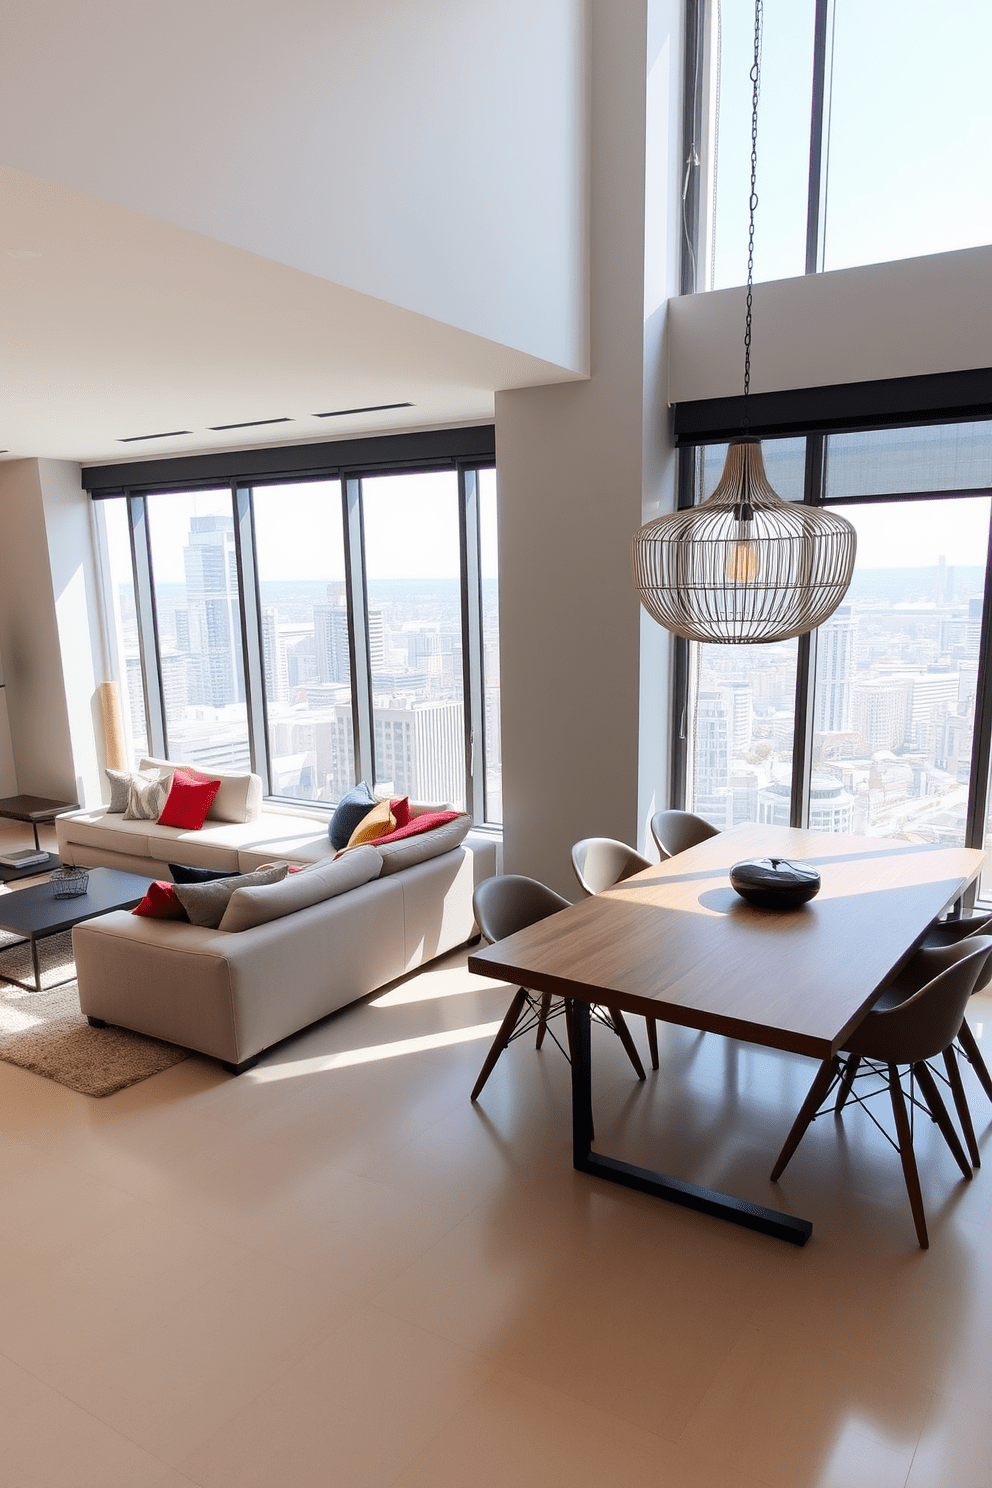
(33, 809)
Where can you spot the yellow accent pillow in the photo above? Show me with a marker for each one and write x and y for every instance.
(377, 823)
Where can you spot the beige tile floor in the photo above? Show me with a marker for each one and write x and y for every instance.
(335, 1271)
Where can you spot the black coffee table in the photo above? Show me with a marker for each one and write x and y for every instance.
(35, 913)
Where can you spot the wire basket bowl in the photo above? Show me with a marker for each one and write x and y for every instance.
(69, 883)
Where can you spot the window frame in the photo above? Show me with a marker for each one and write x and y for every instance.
(814, 494)
(255, 470)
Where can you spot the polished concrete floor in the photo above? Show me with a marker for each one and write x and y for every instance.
(335, 1271)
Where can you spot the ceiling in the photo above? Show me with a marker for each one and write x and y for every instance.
(115, 326)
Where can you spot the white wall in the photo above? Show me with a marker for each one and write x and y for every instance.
(577, 465)
(49, 637)
(916, 316)
(78, 613)
(425, 153)
(29, 640)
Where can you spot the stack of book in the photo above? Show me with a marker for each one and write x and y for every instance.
(23, 859)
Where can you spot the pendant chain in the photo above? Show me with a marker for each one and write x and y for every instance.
(752, 204)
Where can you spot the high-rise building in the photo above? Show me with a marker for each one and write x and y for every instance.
(213, 611)
(878, 712)
(420, 749)
(834, 671)
(330, 623)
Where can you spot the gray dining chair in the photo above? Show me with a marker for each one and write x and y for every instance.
(896, 1038)
(674, 831)
(504, 905)
(952, 932)
(599, 863)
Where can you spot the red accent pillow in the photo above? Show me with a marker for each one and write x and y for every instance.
(189, 801)
(160, 903)
(400, 808)
(417, 824)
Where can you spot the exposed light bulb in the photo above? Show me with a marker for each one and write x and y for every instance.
(742, 563)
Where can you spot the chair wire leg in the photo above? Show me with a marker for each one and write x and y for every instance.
(973, 1054)
(847, 1080)
(938, 1110)
(501, 1040)
(652, 1027)
(623, 1033)
(961, 1105)
(542, 1022)
(908, 1157)
(808, 1110)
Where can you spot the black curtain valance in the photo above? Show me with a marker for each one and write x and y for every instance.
(442, 449)
(938, 398)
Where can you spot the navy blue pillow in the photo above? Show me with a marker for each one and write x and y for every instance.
(354, 804)
(182, 874)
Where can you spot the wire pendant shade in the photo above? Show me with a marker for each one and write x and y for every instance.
(744, 566)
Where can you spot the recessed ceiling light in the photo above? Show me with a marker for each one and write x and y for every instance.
(251, 424)
(168, 434)
(23, 253)
(373, 408)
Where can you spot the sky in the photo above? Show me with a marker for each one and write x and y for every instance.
(411, 529)
(909, 164)
(903, 534)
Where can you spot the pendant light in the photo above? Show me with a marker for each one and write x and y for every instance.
(744, 567)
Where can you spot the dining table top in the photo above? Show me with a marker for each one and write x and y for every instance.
(677, 943)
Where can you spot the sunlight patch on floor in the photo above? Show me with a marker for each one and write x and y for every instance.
(346, 1058)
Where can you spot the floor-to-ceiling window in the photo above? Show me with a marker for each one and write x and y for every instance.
(315, 629)
(197, 601)
(304, 622)
(887, 731)
(121, 621)
(413, 577)
(873, 123)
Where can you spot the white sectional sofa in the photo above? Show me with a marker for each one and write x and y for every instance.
(238, 834)
(232, 994)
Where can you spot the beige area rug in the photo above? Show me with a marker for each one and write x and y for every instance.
(46, 1033)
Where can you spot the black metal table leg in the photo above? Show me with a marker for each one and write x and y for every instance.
(36, 964)
(722, 1206)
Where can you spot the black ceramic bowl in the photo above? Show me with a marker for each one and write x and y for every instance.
(775, 883)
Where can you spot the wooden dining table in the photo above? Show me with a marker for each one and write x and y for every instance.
(675, 942)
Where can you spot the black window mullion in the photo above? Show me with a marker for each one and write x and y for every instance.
(253, 660)
(147, 618)
(802, 740)
(685, 479)
(819, 135)
(472, 654)
(359, 645)
(981, 740)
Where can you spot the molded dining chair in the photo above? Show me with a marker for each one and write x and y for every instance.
(674, 831)
(908, 1034)
(952, 932)
(599, 863)
(935, 955)
(504, 905)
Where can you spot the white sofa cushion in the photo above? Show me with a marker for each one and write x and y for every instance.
(100, 830)
(238, 800)
(249, 907)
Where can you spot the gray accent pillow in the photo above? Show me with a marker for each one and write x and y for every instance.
(251, 907)
(206, 903)
(408, 851)
(146, 799)
(120, 782)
